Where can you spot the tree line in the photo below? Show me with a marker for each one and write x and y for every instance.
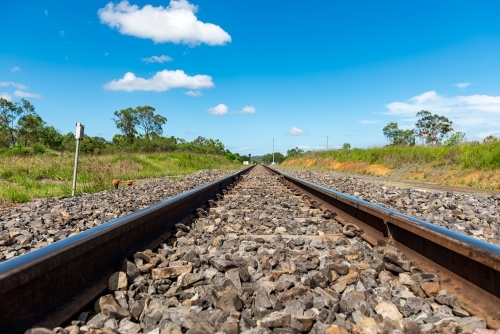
(141, 130)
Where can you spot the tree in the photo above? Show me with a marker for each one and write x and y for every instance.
(397, 136)
(278, 158)
(30, 128)
(346, 146)
(51, 137)
(148, 121)
(432, 128)
(294, 152)
(126, 122)
(490, 138)
(455, 139)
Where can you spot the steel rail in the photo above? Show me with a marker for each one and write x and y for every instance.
(468, 267)
(47, 286)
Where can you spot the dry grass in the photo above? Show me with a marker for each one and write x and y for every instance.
(26, 177)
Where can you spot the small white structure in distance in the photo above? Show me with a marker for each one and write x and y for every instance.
(245, 162)
(273, 163)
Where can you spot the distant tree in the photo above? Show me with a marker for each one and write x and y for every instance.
(148, 121)
(397, 136)
(126, 121)
(432, 128)
(346, 146)
(490, 138)
(455, 139)
(278, 158)
(52, 138)
(294, 152)
(30, 128)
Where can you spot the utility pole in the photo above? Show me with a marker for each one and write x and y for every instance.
(273, 152)
(78, 136)
(327, 142)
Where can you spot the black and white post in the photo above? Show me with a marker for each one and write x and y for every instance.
(78, 136)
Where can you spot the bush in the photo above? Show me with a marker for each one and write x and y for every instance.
(38, 148)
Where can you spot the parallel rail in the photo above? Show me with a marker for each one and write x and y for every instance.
(48, 286)
(467, 267)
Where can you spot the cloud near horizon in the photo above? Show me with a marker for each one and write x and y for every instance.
(22, 94)
(247, 110)
(161, 81)
(14, 84)
(157, 59)
(462, 84)
(295, 131)
(194, 93)
(176, 23)
(6, 96)
(218, 110)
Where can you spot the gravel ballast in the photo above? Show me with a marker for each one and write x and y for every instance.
(265, 259)
(42, 222)
(471, 214)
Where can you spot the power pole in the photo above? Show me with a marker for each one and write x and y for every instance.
(273, 152)
(327, 142)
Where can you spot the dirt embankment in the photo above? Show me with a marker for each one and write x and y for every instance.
(480, 179)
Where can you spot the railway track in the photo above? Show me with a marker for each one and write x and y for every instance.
(271, 252)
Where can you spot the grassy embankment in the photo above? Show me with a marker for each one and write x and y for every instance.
(25, 177)
(469, 164)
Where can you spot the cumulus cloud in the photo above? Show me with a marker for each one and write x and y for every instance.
(15, 69)
(295, 131)
(157, 59)
(20, 93)
(464, 110)
(176, 23)
(219, 110)
(367, 121)
(14, 84)
(6, 96)
(462, 84)
(161, 81)
(247, 110)
(194, 93)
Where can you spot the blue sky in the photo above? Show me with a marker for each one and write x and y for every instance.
(246, 72)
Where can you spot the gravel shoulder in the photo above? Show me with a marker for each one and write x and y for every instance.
(476, 214)
(38, 223)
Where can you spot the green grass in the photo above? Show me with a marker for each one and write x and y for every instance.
(23, 177)
(474, 156)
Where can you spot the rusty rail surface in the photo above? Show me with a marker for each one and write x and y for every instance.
(467, 267)
(48, 286)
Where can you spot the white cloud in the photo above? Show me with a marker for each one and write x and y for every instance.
(304, 147)
(219, 110)
(157, 59)
(10, 83)
(462, 84)
(176, 23)
(61, 32)
(194, 93)
(5, 96)
(47, 12)
(20, 93)
(480, 111)
(295, 131)
(15, 69)
(161, 81)
(247, 110)
(367, 121)
(106, 54)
